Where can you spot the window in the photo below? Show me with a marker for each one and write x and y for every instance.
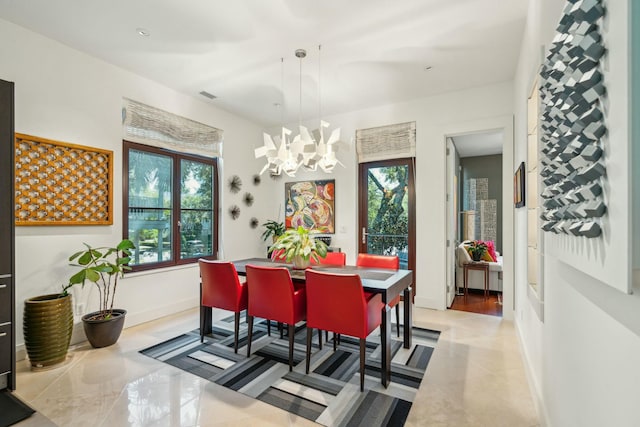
(170, 202)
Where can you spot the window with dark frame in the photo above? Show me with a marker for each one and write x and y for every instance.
(170, 202)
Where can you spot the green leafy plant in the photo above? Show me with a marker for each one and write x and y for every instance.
(102, 266)
(477, 249)
(273, 229)
(299, 243)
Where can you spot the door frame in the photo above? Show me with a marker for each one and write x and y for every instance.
(411, 194)
(506, 125)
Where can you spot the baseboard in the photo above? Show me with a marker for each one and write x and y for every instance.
(428, 303)
(138, 318)
(133, 319)
(536, 393)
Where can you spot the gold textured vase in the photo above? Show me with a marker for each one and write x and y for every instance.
(48, 324)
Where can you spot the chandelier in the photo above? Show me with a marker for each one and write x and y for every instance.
(304, 150)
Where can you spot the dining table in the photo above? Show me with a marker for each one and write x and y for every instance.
(388, 283)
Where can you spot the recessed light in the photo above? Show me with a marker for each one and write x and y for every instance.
(276, 104)
(428, 67)
(143, 32)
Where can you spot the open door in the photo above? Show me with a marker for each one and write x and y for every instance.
(452, 221)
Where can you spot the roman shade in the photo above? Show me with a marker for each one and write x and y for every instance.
(386, 142)
(151, 126)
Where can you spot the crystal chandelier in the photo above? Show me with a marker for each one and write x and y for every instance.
(305, 150)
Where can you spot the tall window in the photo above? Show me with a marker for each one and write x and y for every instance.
(170, 203)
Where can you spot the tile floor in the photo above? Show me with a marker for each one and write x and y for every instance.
(475, 378)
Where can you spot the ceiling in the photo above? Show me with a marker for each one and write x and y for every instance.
(479, 144)
(374, 52)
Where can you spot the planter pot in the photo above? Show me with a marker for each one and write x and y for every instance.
(476, 256)
(103, 332)
(47, 325)
(299, 263)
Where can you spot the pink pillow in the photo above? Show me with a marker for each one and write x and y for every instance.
(491, 249)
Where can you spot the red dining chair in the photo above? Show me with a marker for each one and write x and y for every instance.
(391, 262)
(273, 297)
(337, 303)
(332, 258)
(221, 288)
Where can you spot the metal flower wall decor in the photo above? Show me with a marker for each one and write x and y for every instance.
(573, 124)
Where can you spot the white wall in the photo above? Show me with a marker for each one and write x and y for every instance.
(482, 108)
(65, 95)
(583, 357)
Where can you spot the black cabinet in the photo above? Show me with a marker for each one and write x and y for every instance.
(7, 274)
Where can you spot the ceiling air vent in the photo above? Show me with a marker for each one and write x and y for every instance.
(208, 95)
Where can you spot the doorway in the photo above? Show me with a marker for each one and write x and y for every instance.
(386, 210)
(475, 213)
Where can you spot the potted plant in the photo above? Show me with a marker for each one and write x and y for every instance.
(299, 246)
(273, 229)
(48, 325)
(103, 266)
(477, 249)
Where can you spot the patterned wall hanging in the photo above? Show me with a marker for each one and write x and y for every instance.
(57, 183)
(248, 199)
(573, 124)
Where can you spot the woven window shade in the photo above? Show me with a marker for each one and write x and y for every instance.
(151, 126)
(386, 142)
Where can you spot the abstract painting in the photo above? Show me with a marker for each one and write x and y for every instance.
(310, 204)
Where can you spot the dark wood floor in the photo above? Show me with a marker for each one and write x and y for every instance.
(475, 302)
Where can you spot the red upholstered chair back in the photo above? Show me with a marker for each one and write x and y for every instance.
(378, 261)
(221, 286)
(332, 258)
(336, 302)
(271, 294)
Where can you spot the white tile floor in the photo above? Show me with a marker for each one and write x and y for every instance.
(475, 378)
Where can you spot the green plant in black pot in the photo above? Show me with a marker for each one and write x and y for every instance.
(273, 229)
(477, 249)
(103, 266)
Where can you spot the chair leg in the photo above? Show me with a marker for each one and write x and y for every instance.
(363, 352)
(268, 327)
(335, 340)
(236, 332)
(309, 333)
(280, 329)
(292, 331)
(320, 339)
(398, 319)
(201, 325)
(249, 334)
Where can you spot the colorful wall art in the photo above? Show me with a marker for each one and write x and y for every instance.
(310, 204)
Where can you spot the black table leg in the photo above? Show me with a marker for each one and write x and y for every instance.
(385, 340)
(408, 317)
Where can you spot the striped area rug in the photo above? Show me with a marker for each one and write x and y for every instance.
(329, 394)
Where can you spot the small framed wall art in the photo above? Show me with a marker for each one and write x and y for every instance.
(57, 183)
